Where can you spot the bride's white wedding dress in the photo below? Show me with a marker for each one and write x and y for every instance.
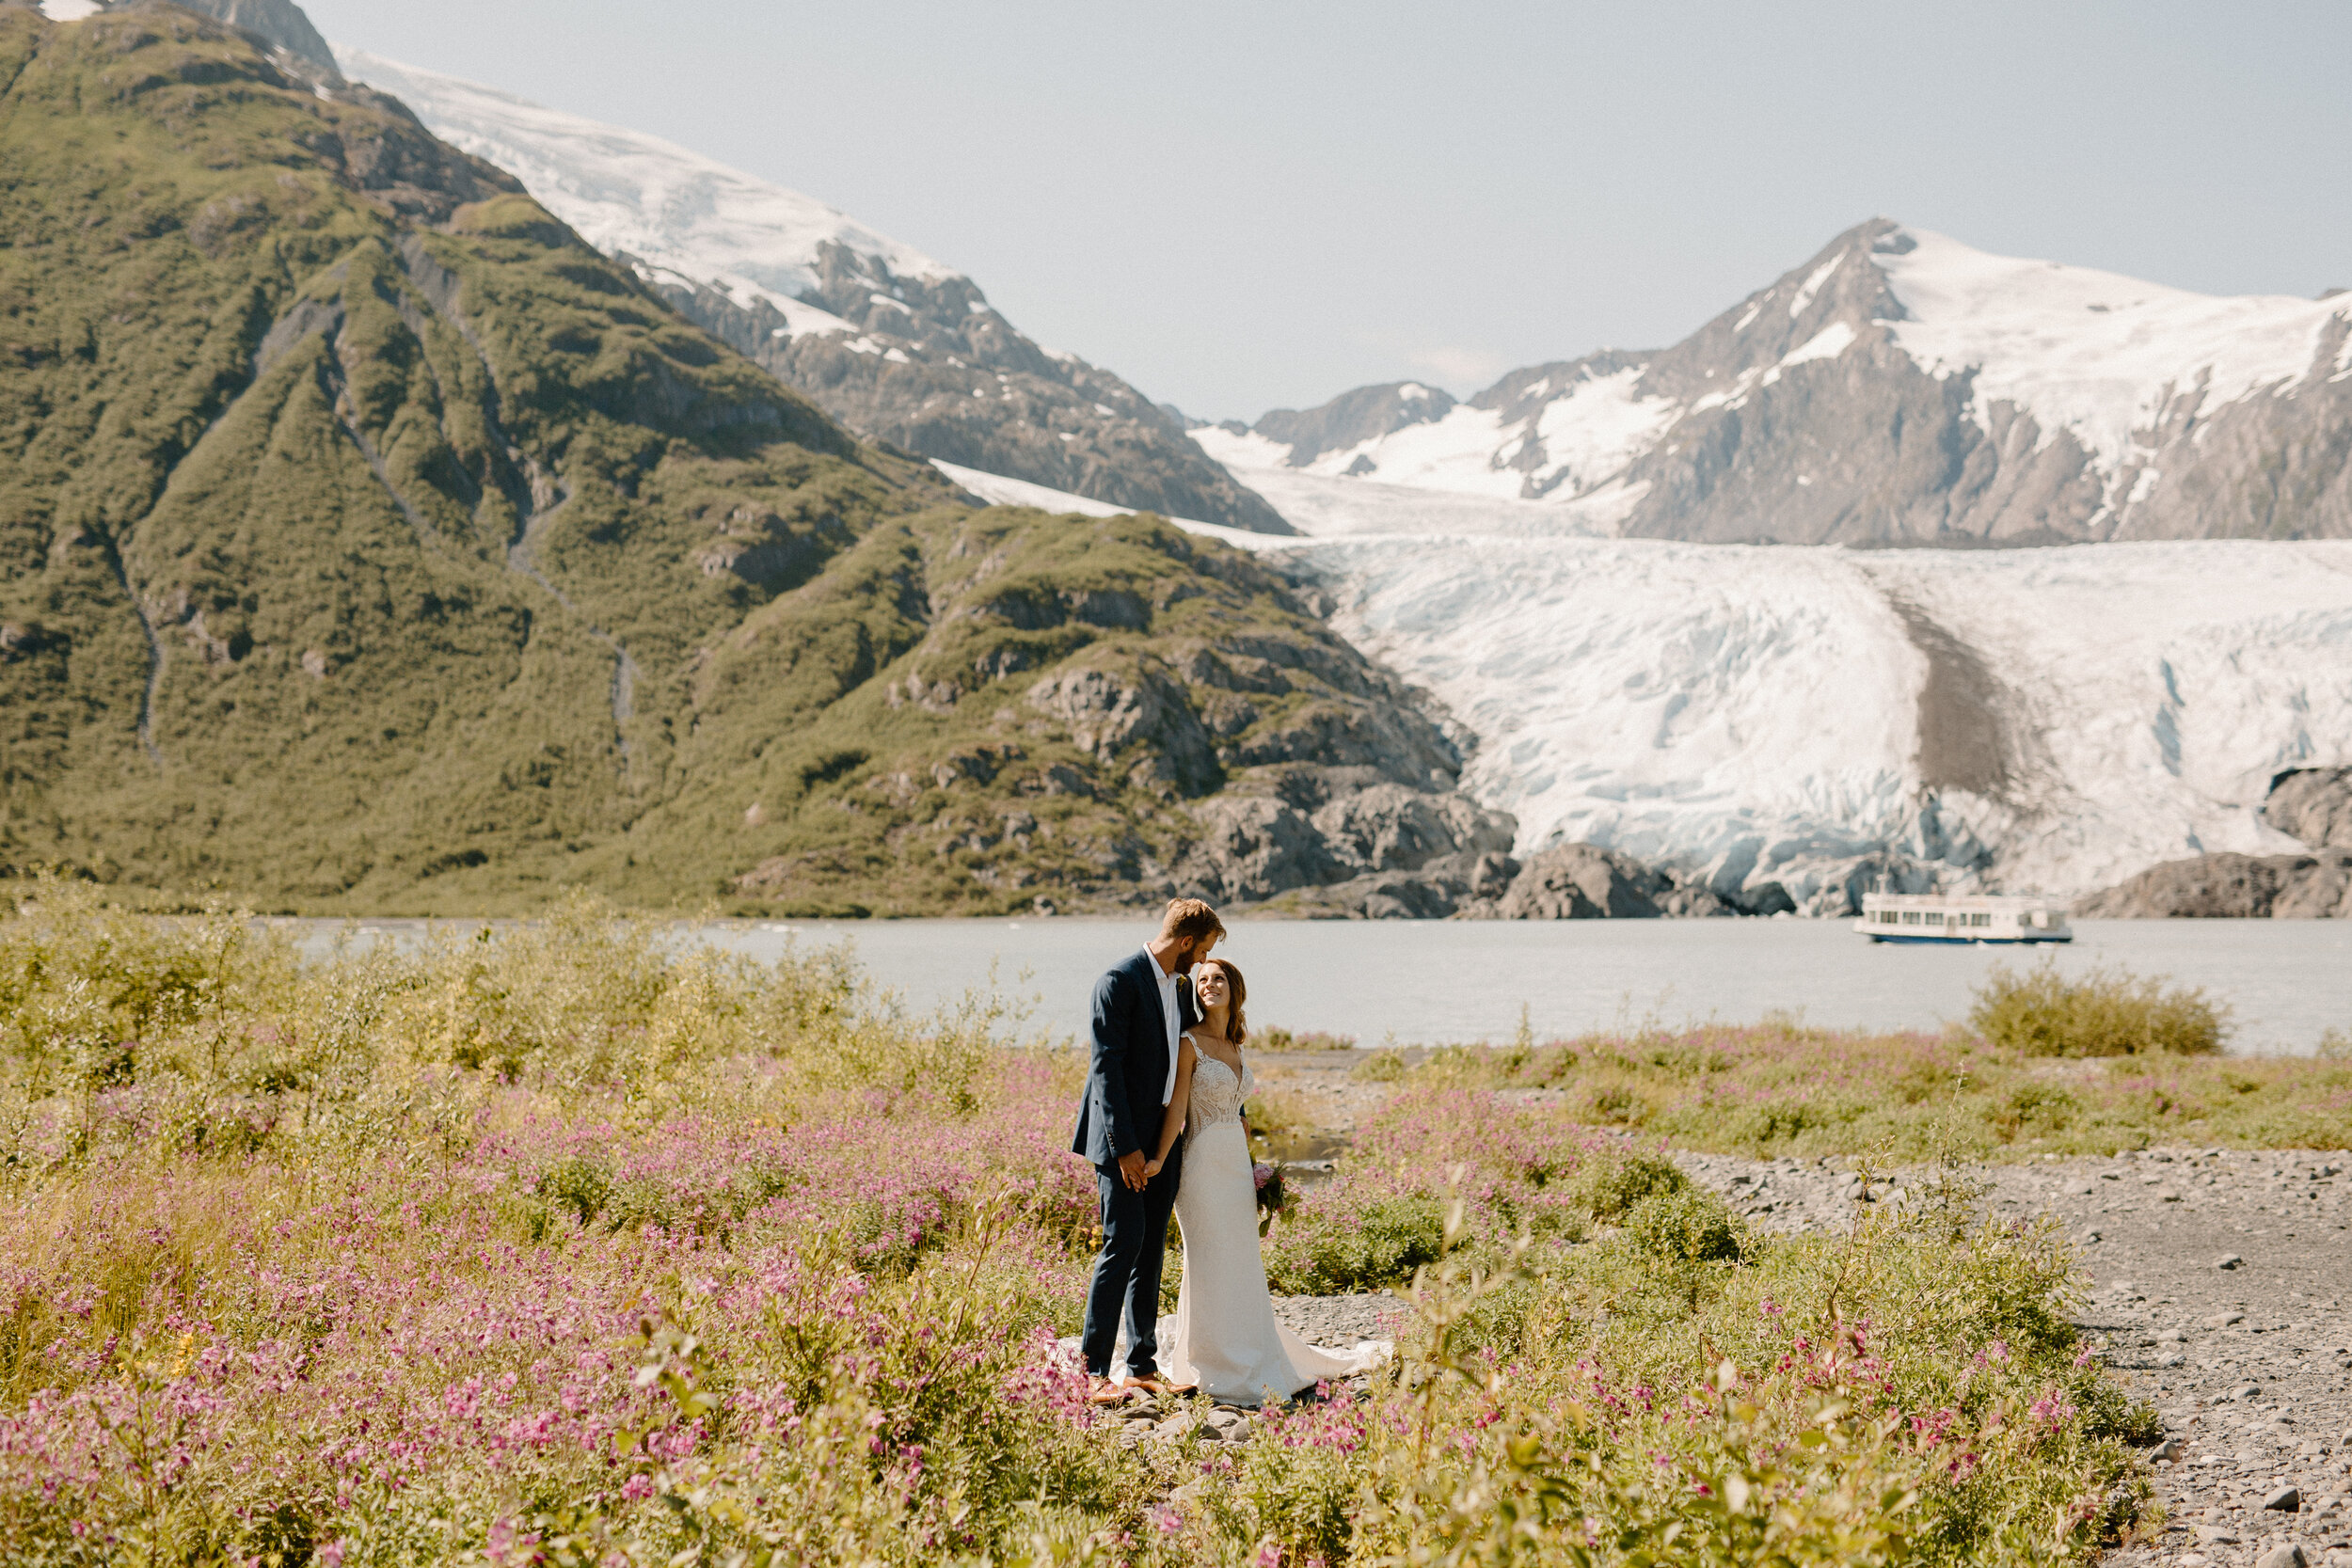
(1224, 1336)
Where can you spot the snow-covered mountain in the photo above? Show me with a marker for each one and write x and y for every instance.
(883, 337)
(1900, 388)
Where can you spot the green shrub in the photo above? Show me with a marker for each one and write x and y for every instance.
(1276, 1037)
(1612, 1188)
(1686, 1226)
(1351, 1248)
(2041, 1013)
(578, 1185)
(1381, 1067)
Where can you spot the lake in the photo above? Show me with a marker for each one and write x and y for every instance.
(1421, 982)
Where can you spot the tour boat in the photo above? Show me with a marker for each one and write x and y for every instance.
(1952, 918)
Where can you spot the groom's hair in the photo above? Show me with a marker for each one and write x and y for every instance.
(1190, 919)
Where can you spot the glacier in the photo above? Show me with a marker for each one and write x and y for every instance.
(1767, 713)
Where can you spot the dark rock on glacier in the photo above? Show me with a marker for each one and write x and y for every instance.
(1362, 414)
(2232, 887)
(2313, 805)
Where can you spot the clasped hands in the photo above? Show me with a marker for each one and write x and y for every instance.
(1137, 1171)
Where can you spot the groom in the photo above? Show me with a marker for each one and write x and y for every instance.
(1140, 1008)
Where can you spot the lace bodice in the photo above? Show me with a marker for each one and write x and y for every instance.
(1217, 1093)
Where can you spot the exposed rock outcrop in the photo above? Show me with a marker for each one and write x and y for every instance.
(1481, 880)
(1582, 881)
(1352, 842)
(278, 25)
(2316, 886)
(933, 368)
(2313, 805)
(1353, 417)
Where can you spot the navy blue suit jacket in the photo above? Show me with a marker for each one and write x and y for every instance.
(1128, 1068)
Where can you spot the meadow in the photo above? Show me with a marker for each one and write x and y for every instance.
(2044, 1066)
(555, 1246)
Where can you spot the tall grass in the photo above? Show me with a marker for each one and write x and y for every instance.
(2027, 1085)
(553, 1244)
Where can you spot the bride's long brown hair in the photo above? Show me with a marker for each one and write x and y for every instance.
(1236, 1026)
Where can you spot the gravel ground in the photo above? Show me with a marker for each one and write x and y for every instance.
(2222, 1291)
(1340, 1321)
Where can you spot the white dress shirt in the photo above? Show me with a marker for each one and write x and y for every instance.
(1175, 1023)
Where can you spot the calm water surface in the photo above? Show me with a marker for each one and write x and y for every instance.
(1413, 982)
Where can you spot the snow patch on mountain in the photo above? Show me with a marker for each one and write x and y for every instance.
(1828, 343)
(1590, 433)
(1003, 490)
(2092, 352)
(670, 207)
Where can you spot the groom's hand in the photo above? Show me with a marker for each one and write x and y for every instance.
(1131, 1170)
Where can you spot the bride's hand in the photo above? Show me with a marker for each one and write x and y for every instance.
(1152, 1168)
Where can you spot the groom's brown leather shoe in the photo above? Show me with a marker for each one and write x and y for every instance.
(1101, 1390)
(1153, 1384)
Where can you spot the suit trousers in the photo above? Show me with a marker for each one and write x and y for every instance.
(1127, 1269)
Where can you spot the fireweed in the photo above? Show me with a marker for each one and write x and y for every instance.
(557, 1246)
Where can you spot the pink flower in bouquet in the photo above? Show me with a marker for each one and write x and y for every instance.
(1261, 1174)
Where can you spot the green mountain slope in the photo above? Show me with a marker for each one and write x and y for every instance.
(368, 543)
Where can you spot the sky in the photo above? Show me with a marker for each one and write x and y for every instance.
(1246, 206)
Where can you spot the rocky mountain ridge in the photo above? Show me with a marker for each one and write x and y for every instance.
(1899, 388)
(896, 346)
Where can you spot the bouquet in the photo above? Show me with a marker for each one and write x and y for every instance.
(1270, 1195)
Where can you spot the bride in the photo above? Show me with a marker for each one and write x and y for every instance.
(1225, 1337)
